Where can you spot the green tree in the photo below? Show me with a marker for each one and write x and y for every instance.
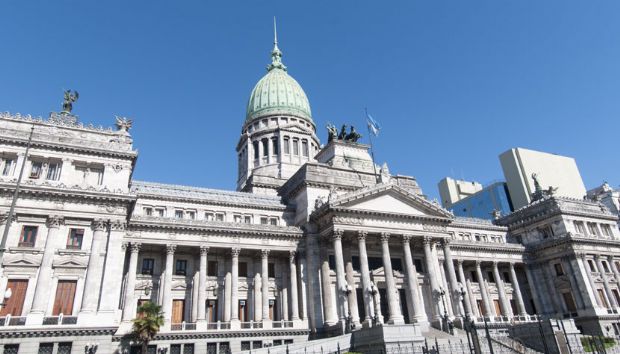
(148, 322)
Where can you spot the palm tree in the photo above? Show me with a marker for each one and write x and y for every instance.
(146, 325)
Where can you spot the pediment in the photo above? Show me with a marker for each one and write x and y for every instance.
(21, 260)
(295, 128)
(391, 199)
(69, 262)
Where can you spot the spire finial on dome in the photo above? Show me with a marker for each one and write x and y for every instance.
(276, 54)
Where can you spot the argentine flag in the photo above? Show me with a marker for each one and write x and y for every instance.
(373, 125)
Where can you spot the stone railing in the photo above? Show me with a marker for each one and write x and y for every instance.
(218, 325)
(183, 326)
(9, 320)
(251, 325)
(282, 324)
(60, 320)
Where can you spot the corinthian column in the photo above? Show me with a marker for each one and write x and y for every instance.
(44, 278)
(368, 305)
(167, 298)
(265, 287)
(90, 299)
(503, 300)
(341, 283)
(432, 277)
(483, 291)
(412, 280)
(392, 293)
(130, 285)
(447, 253)
(234, 291)
(294, 298)
(202, 284)
(465, 289)
(601, 271)
(516, 290)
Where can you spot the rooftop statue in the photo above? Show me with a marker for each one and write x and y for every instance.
(70, 97)
(343, 132)
(353, 136)
(332, 132)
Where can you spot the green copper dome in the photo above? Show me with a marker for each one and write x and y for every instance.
(277, 92)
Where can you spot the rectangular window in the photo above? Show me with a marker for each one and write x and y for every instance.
(593, 229)
(287, 145)
(178, 311)
(243, 269)
(35, 169)
(175, 348)
(255, 147)
(53, 171)
(209, 216)
(355, 263)
(65, 295)
(263, 220)
(188, 348)
(181, 267)
(271, 270)
(247, 219)
(304, 148)
(274, 146)
(490, 277)
(64, 348)
(219, 217)
(11, 349)
(191, 215)
(265, 147)
(507, 278)
(591, 265)
(148, 264)
(606, 229)
(178, 214)
(161, 212)
(558, 269)
(74, 241)
(7, 166)
(418, 265)
(246, 345)
(237, 218)
(28, 236)
(148, 211)
(474, 276)
(46, 348)
(605, 266)
(212, 271)
(295, 147)
(273, 221)
(15, 304)
(579, 227)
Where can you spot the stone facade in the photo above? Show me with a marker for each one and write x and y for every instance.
(311, 245)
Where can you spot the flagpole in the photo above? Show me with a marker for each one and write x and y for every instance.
(9, 219)
(372, 150)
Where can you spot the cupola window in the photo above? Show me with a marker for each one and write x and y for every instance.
(304, 147)
(265, 147)
(287, 145)
(274, 144)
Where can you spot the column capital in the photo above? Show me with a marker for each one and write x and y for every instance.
(385, 237)
(407, 238)
(495, 263)
(459, 262)
(235, 252)
(597, 257)
(118, 225)
(170, 249)
(478, 263)
(337, 235)
(54, 221)
(512, 264)
(264, 253)
(99, 224)
(446, 242)
(204, 250)
(610, 258)
(427, 240)
(291, 255)
(134, 247)
(361, 235)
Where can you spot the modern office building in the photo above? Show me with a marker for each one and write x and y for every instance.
(561, 172)
(452, 190)
(311, 245)
(488, 203)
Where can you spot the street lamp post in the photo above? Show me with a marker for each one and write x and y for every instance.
(446, 320)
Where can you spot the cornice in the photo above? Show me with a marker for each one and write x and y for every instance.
(61, 190)
(54, 331)
(255, 333)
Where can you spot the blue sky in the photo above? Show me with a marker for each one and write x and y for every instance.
(453, 83)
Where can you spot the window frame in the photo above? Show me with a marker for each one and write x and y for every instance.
(32, 239)
(178, 269)
(75, 234)
(148, 266)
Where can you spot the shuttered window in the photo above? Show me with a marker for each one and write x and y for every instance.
(65, 294)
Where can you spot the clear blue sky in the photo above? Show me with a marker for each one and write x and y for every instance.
(454, 83)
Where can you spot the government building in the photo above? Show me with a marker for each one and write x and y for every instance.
(316, 244)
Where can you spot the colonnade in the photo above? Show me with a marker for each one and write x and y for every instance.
(449, 294)
(231, 292)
